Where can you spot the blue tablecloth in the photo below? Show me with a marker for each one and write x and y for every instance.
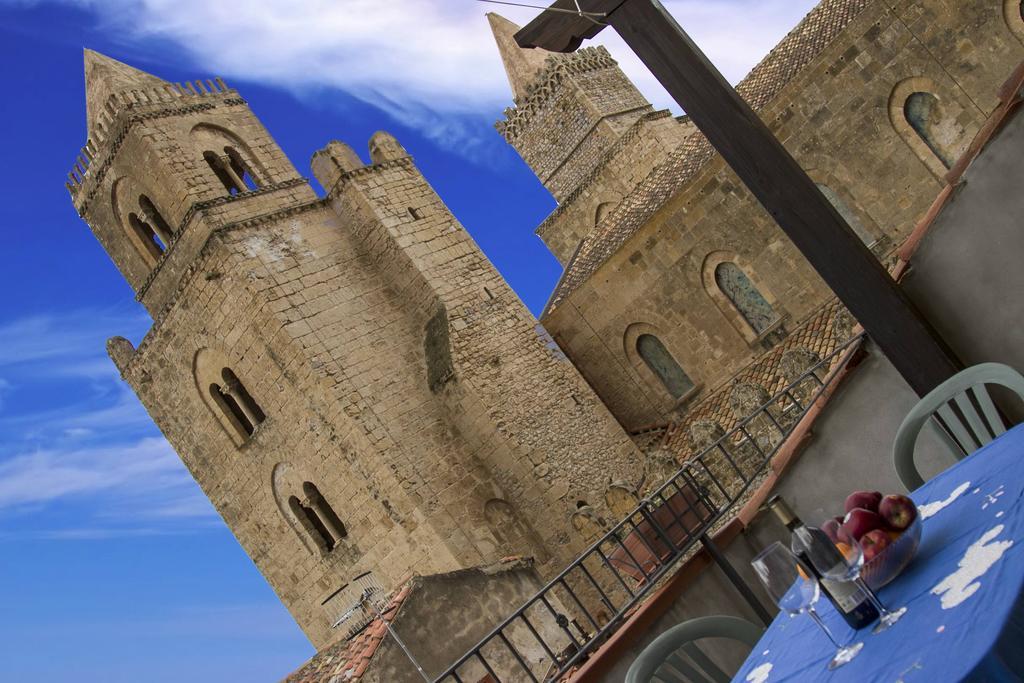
(963, 591)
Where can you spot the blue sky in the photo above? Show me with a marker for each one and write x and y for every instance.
(113, 566)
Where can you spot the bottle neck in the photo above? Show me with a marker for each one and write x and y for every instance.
(781, 509)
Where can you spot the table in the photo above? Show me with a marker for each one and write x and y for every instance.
(963, 591)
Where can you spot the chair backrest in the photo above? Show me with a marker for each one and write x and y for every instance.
(674, 656)
(966, 417)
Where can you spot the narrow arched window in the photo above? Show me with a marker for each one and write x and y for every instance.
(662, 364)
(925, 115)
(241, 395)
(317, 517)
(222, 169)
(328, 518)
(240, 169)
(848, 214)
(147, 237)
(747, 299)
(312, 523)
(232, 411)
(156, 219)
(236, 404)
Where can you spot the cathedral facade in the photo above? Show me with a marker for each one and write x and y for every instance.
(348, 378)
(676, 279)
(355, 387)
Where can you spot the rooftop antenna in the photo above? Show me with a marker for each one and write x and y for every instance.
(361, 609)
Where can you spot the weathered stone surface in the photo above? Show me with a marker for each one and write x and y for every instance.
(705, 433)
(348, 379)
(647, 210)
(746, 398)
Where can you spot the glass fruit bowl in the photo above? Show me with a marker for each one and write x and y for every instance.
(888, 564)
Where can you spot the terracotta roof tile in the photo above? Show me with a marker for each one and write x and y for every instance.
(348, 659)
(765, 81)
(816, 333)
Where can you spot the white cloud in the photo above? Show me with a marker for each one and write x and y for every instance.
(75, 437)
(148, 469)
(77, 338)
(422, 61)
(62, 359)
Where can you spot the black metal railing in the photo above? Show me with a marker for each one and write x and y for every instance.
(583, 605)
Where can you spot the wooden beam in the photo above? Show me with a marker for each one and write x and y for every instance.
(562, 32)
(772, 176)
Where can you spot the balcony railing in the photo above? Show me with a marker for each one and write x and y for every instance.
(582, 606)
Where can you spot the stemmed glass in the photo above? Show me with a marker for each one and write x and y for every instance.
(844, 566)
(795, 591)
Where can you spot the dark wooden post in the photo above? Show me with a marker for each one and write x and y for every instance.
(769, 172)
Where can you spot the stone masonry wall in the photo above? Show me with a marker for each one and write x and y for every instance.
(580, 106)
(513, 398)
(246, 311)
(150, 148)
(836, 118)
(397, 372)
(624, 164)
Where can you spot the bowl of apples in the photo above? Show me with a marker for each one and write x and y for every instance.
(888, 529)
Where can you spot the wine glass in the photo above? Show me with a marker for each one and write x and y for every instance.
(843, 561)
(795, 589)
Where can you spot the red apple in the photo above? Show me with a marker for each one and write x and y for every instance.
(897, 511)
(873, 543)
(860, 521)
(868, 500)
(831, 527)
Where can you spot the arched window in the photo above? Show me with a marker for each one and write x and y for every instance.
(848, 214)
(312, 525)
(305, 509)
(237, 405)
(221, 168)
(152, 244)
(232, 411)
(747, 299)
(324, 511)
(925, 115)
(317, 517)
(240, 168)
(154, 218)
(229, 158)
(662, 364)
(145, 226)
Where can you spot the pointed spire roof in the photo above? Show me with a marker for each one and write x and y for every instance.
(105, 76)
(521, 65)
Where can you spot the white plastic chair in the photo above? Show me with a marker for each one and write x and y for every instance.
(965, 424)
(673, 657)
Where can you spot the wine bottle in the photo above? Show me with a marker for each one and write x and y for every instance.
(850, 601)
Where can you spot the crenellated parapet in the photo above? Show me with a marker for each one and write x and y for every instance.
(125, 109)
(557, 68)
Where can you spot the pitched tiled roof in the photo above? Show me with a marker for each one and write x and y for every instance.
(819, 333)
(765, 81)
(347, 660)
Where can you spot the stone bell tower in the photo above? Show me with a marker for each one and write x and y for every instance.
(583, 127)
(348, 379)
